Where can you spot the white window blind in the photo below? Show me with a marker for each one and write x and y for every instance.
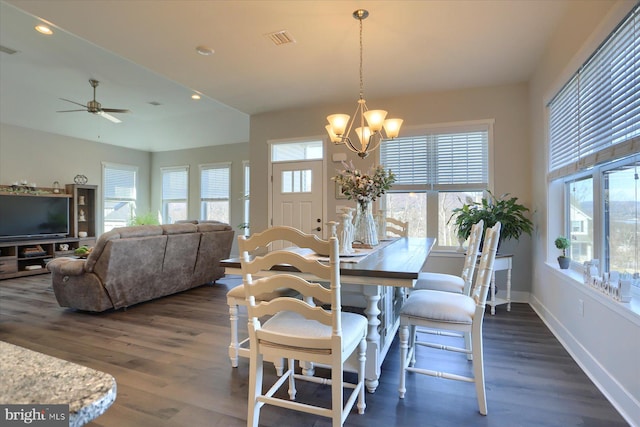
(175, 183)
(440, 161)
(119, 183)
(214, 182)
(596, 116)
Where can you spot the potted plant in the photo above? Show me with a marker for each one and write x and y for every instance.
(563, 244)
(492, 209)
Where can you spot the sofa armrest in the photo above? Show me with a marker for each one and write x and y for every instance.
(67, 266)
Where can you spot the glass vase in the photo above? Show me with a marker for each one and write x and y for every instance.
(365, 226)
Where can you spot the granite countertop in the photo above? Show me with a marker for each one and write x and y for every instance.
(29, 377)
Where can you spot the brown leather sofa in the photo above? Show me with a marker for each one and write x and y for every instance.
(130, 265)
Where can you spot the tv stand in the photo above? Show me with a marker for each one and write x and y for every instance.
(28, 257)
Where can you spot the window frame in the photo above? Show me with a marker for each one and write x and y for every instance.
(575, 152)
(433, 190)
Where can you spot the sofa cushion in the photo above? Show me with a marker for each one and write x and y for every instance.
(178, 228)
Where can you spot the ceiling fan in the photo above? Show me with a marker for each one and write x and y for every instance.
(95, 107)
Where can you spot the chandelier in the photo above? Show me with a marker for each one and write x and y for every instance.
(377, 129)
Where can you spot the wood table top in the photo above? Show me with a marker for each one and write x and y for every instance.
(401, 259)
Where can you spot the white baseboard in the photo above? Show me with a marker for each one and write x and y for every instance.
(625, 403)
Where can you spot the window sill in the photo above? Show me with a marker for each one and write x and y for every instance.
(630, 310)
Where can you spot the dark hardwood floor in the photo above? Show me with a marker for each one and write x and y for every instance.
(169, 358)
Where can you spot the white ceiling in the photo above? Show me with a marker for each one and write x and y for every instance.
(144, 50)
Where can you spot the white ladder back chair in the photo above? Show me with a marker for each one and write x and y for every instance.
(236, 297)
(299, 328)
(449, 311)
(452, 283)
(397, 228)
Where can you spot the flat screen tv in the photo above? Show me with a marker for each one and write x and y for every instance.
(26, 217)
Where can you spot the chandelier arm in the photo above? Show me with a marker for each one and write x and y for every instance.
(350, 146)
(371, 138)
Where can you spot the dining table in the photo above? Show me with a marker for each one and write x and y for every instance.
(374, 280)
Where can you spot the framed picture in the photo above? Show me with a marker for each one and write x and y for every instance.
(339, 193)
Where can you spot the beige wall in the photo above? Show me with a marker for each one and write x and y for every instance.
(233, 153)
(603, 337)
(507, 105)
(43, 158)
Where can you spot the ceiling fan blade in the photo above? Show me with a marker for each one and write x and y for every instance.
(109, 117)
(69, 111)
(74, 102)
(115, 110)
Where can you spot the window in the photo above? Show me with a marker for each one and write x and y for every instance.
(119, 194)
(594, 141)
(175, 194)
(290, 151)
(436, 171)
(214, 192)
(581, 210)
(245, 197)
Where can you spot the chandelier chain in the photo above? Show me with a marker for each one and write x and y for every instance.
(361, 48)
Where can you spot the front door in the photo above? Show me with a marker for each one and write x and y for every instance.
(297, 195)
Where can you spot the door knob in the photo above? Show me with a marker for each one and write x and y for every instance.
(318, 229)
(318, 220)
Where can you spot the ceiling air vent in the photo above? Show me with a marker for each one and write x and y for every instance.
(7, 50)
(280, 37)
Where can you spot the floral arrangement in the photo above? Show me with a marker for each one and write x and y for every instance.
(364, 187)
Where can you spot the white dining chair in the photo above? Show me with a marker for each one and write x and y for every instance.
(235, 299)
(396, 228)
(450, 312)
(450, 282)
(312, 328)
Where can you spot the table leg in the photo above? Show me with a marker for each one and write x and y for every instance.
(508, 289)
(372, 367)
(493, 293)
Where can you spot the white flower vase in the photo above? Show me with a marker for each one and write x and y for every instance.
(365, 226)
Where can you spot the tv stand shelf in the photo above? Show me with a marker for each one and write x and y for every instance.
(28, 257)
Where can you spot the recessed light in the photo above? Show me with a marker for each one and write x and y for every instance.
(204, 50)
(195, 96)
(43, 29)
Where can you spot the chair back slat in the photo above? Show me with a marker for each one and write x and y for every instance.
(471, 259)
(289, 281)
(485, 269)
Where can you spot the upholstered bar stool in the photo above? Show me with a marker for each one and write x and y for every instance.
(449, 311)
(452, 283)
(236, 297)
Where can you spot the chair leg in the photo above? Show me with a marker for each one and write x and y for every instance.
(478, 372)
(255, 389)
(404, 348)
(233, 345)
(336, 396)
(362, 358)
(292, 380)
(468, 344)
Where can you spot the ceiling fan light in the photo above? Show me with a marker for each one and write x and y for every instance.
(375, 119)
(392, 127)
(338, 123)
